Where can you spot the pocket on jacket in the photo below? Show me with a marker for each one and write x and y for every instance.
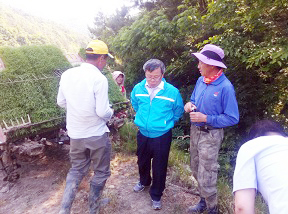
(140, 121)
(157, 125)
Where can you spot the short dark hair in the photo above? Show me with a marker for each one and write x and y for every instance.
(262, 127)
(95, 56)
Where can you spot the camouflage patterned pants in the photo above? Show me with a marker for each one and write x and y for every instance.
(204, 148)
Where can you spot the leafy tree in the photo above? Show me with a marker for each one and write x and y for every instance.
(106, 26)
(253, 34)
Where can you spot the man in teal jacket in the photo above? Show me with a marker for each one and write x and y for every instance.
(158, 105)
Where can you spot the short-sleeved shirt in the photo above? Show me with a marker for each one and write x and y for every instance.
(262, 164)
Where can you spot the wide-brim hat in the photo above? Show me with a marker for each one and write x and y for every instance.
(211, 55)
(97, 47)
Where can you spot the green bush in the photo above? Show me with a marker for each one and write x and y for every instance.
(128, 136)
(33, 60)
(114, 93)
(29, 87)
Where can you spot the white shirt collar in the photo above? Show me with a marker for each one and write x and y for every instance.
(160, 86)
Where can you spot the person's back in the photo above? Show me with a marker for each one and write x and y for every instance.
(79, 86)
(83, 92)
(262, 165)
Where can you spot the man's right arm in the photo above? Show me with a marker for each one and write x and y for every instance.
(134, 100)
(102, 101)
(61, 101)
(244, 201)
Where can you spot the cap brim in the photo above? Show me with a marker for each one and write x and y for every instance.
(209, 61)
(110, 56)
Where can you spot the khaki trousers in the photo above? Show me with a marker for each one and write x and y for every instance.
(204, 149)
(82, 152)
(95, 149)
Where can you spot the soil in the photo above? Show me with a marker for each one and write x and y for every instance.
(41, 184)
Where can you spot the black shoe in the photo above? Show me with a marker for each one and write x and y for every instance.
(213, 210)
(198, 208)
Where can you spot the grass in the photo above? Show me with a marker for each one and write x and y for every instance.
(113, 204)
(179, 163)
(261, 206)
(225, 196)
(226, 199)
(128, 136)
(179, 170)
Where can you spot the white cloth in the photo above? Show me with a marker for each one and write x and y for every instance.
(153, 91)
(262, 164)
(116, 74)
(83, 92)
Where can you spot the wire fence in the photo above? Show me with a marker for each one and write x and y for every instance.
(32, 77)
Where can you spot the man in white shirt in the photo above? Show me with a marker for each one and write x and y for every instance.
(262, 166)
(83, 92)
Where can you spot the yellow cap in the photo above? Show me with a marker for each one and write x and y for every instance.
(97, 47)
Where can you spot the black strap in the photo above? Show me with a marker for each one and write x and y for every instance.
(212, 55)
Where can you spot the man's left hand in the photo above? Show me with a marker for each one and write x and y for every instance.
(198, 117)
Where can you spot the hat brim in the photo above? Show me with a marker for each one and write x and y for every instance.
(110, 56)
(209, 61)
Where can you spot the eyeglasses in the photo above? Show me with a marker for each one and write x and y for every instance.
(150, 77)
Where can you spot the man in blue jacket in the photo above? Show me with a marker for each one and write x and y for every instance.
(158, 105)
(212, 107)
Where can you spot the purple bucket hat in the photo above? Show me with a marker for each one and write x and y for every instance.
(211, 55)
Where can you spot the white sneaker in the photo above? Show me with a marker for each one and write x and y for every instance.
(156, 205)
(138, 187)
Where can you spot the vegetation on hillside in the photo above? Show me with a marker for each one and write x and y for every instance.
(29, 86)
(253, 34)
(18, 29)
(255, 39)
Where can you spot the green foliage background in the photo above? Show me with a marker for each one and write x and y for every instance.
(24, 88)
(253, 34)
(29, 86)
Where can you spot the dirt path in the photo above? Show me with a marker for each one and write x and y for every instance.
(40, 189)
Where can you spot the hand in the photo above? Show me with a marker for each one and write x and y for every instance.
(198, 117)
(189, 107)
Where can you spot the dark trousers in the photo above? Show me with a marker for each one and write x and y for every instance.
(156, 149)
